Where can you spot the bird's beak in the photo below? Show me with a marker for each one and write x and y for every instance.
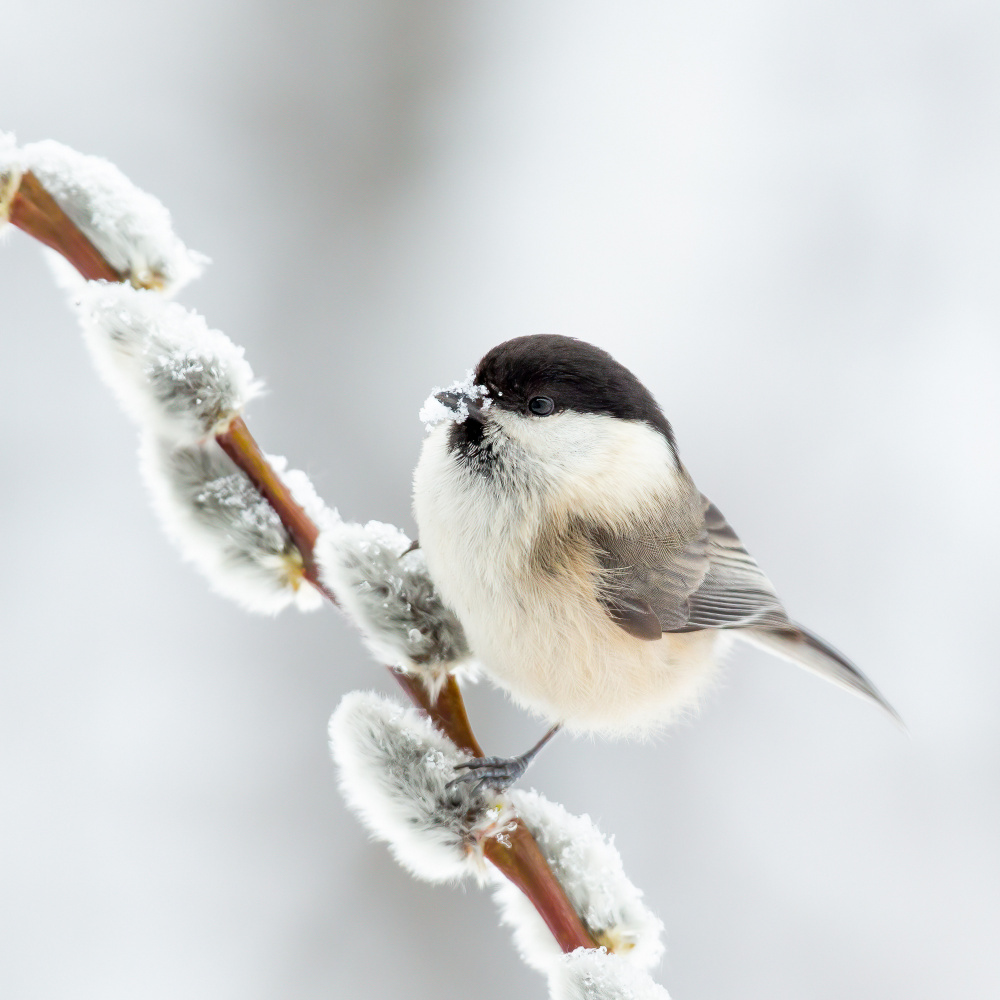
(463, 406)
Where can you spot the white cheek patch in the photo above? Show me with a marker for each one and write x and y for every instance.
(595, 462)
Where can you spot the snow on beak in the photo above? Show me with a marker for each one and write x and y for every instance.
(462, 405)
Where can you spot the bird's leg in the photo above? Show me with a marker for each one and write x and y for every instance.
(499, 773)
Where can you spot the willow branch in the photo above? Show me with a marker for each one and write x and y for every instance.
(36, 212)
(239, 444)
(447, 713)
(518, 857)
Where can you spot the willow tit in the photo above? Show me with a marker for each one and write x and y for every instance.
(594, 582)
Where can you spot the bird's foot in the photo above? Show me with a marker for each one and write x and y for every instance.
(496, 773)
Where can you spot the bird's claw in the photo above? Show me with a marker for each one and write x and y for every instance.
(496, 773)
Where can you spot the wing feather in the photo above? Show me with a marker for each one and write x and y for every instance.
(708, 581)
(711, 582)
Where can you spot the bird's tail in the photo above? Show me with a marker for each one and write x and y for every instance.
(800, 646)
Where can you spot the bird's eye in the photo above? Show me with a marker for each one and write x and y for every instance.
(541, 406)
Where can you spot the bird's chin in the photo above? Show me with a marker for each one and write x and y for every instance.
(473, 443)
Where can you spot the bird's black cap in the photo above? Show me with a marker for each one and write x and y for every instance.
(575, 375)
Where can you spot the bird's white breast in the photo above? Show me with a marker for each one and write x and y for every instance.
(504, 554)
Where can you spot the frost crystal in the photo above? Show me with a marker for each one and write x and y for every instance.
(222, 524)
(435, 412)
(130, 228)
(394, 769)
(168, 369)
(590, 974)
(384, 587)
(590, 870)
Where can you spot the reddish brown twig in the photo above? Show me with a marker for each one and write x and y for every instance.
(36, 212)
(517, 856)
(447, 713)
(520, 859)
(239, 444)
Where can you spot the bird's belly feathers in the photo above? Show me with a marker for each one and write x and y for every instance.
(591, 675)
(540, 632)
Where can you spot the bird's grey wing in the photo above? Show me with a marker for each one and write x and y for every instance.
(734, 593)
(712, 582)
(631, 613)
(734, 581)
(708, 581)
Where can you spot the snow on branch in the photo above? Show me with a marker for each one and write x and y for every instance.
(170, 372)
(593, 974)
(130, 228)
(222, 524)
(589, 868)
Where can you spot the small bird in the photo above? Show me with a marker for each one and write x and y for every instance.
(593, 580)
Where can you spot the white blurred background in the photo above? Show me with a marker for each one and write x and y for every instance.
(782, 215)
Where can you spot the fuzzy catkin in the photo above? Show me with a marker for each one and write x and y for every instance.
(382, 583)
(590, 870)
(394, 771)
(219, 521)
(170, 371)
(593, 974)
(131, 229)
